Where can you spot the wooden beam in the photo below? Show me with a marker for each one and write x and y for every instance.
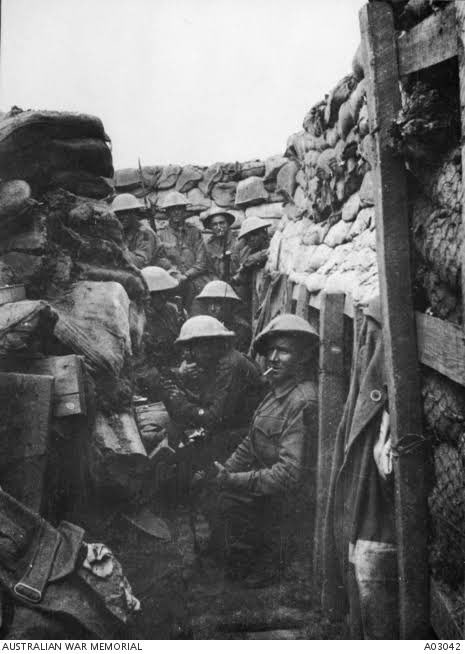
(315, 302)
(429, 42)
(331, 398)
(441, 346)
(399, 333)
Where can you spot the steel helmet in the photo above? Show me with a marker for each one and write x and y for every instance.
(218, 289)
(202, 327)
(217, 211)
(286, 324)
(126, 202)
(252, 224)
(173, 199)
(158, 279)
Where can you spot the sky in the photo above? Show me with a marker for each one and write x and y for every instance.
(179, 81)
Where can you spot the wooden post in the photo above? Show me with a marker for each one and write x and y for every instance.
(460, 29)
(331, 398)
(393, 250)
(301, 307)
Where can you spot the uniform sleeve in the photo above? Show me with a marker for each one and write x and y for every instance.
(143, 248)
(242, 458)
(200, 266)
(285, 474)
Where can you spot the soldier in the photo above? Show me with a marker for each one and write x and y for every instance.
(163, 322)
(184, 247)
(222, 248)
(252, 257)
(228, 386)
(259, 483)
(219, 300)
(144, 247)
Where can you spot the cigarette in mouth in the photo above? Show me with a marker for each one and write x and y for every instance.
(267, 372)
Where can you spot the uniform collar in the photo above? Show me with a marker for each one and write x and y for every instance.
(285, 388)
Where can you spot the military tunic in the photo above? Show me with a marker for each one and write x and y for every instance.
(216, 249)
(144, 247)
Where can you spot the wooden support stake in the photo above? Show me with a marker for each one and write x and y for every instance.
(301, 307)
(393, 251)
(331, 398)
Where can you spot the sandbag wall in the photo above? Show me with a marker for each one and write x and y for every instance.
(83, 296)
(245, 189)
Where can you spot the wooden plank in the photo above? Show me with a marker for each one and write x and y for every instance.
(399, 330)
(25, 414)
(441, 346)
(428, 43)
(12, 293)
(331, 398)
(315, 302)
(69, 394)
(301, 307)
(444, 620)
(289, 296)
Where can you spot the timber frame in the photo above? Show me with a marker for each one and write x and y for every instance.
(410, 338)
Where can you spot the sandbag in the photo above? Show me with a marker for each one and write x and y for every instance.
(286, 178)
(367, 191)
(337, 234)
(127, 179)
(332, 136)
(132, 283)
(27, 128)
(314, 233)
(224, 194)
(250, 191)
(22, 323)
(319, 257)
(314, 121)
(212, 175)
(15, 196)
(81, 182)
(314, 282)
(93, 320)
(90, 155)
(351, 208)
(357, 64)
(367, 150)
(338, 96)
(189, 178)
(361, 223)
(345, 120)
(118, 461)
(356, 100)
(273, 165)
(255, 168)
(298, 145)
(363, 122)
(168, 177)
(197, 200)
(27, 268)
(154, 424)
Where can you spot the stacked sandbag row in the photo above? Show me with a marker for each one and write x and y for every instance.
(249, 188)
(67, 249)
(50, 149)
(326, 239)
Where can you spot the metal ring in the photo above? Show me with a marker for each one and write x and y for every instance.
(376, 395)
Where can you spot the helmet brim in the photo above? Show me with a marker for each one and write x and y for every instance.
(206, 220)
(260, 344)
(191, 339)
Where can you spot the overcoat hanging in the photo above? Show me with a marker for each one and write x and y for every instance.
(360, 505)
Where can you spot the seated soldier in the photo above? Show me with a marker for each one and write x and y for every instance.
(163, 321)
(219, 300)
(227, 385)
(144, 247)
(259, 483)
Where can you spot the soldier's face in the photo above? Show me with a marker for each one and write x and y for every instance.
(256, 240)
(219, 225)
(215, 309)
(177, 216)
(283, 356)
(205, 352)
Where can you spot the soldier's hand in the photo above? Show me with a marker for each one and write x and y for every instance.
(222, 475)
(189, 371)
